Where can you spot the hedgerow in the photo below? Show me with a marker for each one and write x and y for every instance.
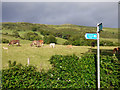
(67, 72)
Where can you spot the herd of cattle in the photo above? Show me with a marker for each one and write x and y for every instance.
(40, 43)
(37, 43)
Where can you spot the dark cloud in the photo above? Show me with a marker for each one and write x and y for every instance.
(88, 14)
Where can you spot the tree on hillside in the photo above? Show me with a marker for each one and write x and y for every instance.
(15, 34)
(67, 36)
(45, 39)
(32, 36)
(50, 39)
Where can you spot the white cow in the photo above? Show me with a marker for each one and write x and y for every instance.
(52, 45)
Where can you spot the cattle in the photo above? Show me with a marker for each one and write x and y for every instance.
(41, 42)
(69, 46)
(116, 50)
(52, 45)
(35, 42)
(12, 42)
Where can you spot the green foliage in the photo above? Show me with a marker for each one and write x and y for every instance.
(15, 34)
(76, 43)
(32, 36)
(5, 33)
(50, 39)
(107, 43)
(45, 32)
(110, 72)
(45, 39)
(34, 29)
(67, 43)
(57, 34)
(106, 34)
(5, 40)
(83, 42)
(67, 36)
(67, 72)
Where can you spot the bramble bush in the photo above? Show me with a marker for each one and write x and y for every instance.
(67, 72)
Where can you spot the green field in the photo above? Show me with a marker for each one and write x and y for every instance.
(38, 56)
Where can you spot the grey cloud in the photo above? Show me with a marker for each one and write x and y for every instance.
(88, 14)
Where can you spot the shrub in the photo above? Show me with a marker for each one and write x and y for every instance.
(67, 36)
(44, 32)
(15, 34)
(32, 36)
(5, 40)
(45, 39)
(67, 72)
(67, 43)
(50, 39)
(5, 33)
(76, 43)
(34, 29)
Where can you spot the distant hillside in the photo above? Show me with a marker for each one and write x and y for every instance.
(69, 29)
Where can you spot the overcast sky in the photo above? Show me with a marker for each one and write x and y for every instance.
(79, 13)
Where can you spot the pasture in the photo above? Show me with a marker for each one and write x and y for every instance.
(39, 56)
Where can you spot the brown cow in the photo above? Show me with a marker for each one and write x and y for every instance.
(12, 42)
(41, 42)
(116, 50)
(35, 42)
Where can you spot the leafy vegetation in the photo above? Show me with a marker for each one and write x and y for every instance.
(5, 40)
(49, 39)
(32, 36)
(15, 34)
(67, 72)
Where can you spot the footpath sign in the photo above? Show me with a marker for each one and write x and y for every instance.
(99, 28)
(91, 36)
(96, 37)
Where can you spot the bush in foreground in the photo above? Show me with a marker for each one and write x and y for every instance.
(67, 72)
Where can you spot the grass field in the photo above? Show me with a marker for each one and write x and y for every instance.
(109, 39)
(115, 30)
(40, 56)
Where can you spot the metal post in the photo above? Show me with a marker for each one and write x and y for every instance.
(98, 58)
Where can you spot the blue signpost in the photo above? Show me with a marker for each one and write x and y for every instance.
(96, 37)
(99, 28)
(91, 36)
